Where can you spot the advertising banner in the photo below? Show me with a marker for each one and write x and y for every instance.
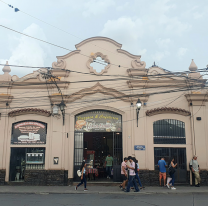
(29, 132)
(98, 121)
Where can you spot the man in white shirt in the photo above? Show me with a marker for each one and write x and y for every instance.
(131, 175)
(194, 165)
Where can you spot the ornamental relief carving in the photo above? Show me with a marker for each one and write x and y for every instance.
(60, 64)
(93, 58)
(138, 64)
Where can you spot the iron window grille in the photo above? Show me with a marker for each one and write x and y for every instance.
(169, 131)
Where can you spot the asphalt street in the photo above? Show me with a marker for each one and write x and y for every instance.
(103, 199)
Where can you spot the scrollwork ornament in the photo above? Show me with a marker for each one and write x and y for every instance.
(138, 64)
(60, 64)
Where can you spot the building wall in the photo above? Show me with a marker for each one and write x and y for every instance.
(60, 138)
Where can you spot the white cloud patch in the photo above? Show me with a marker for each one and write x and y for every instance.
(122, 6)
(158, 56)
(95, 7)
(163, 43)
(182, 51)
(29, 52)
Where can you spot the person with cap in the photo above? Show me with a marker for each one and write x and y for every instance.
(131, 175)
(194, 166)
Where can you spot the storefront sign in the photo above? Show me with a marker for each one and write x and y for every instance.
(29, 132)
(98, 121)
(139, 147)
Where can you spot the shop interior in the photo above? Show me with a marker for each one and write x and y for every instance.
(25, 158)
(97, 145)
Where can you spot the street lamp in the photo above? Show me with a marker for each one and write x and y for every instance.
(62, 108)
(138, 107)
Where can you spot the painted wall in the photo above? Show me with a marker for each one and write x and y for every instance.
(60, 138)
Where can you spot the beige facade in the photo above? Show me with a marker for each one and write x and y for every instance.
(123, 81)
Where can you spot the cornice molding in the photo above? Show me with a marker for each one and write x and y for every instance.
(68, 55)
(197, 99)
(167, 110)
(165, 82)
(137, 72)
(92, 58)
(98, 38)
(5, 98)
(128, 54)
(25, 111)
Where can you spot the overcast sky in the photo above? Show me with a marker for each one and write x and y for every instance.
(171, 33)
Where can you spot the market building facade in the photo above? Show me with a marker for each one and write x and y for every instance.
(53, 119)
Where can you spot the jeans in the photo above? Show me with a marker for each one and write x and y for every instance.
(132, 180)
(82, 181)
(108, 170)
(137, 178)
(173, 178)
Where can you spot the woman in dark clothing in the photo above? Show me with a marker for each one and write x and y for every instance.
(171, 173)
(83, 179)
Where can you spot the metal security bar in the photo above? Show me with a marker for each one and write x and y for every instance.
(169, 131)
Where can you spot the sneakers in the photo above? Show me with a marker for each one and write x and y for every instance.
(168, 186)
(197, 185)
(85, 189)
(173, 188)
(136, 190)
(76, 188)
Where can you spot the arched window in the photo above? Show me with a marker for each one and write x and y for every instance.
(169, 131)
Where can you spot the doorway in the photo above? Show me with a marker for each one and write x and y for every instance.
(179, 154)
(93, 147)
(17, 164)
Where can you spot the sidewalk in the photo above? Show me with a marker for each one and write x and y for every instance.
(97, 190)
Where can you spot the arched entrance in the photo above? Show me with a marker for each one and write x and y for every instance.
(98, 133)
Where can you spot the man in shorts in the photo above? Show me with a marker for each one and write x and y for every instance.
(162, 174)
(124, 173)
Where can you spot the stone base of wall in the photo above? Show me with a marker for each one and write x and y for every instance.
(46, 177)
(2, 177)
(151, 177)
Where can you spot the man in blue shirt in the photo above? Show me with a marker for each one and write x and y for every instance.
(162, 174)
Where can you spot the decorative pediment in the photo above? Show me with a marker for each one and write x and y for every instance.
(92, 58)
(36, 111)
(167, 110)
(98, 38)
(97, 88)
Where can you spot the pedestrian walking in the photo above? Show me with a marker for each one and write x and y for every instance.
(124, 173)
(83, 178)
(171, 173)
(108, 165)
(162, 173)
(137, 174)
(196, 170)
(132, 175)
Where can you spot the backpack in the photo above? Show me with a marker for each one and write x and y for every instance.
(79, 173)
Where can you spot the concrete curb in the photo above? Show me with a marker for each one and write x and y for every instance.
(112, 193)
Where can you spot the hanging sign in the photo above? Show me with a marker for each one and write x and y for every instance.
(139, 147)
(29, 132)
(98, 121)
